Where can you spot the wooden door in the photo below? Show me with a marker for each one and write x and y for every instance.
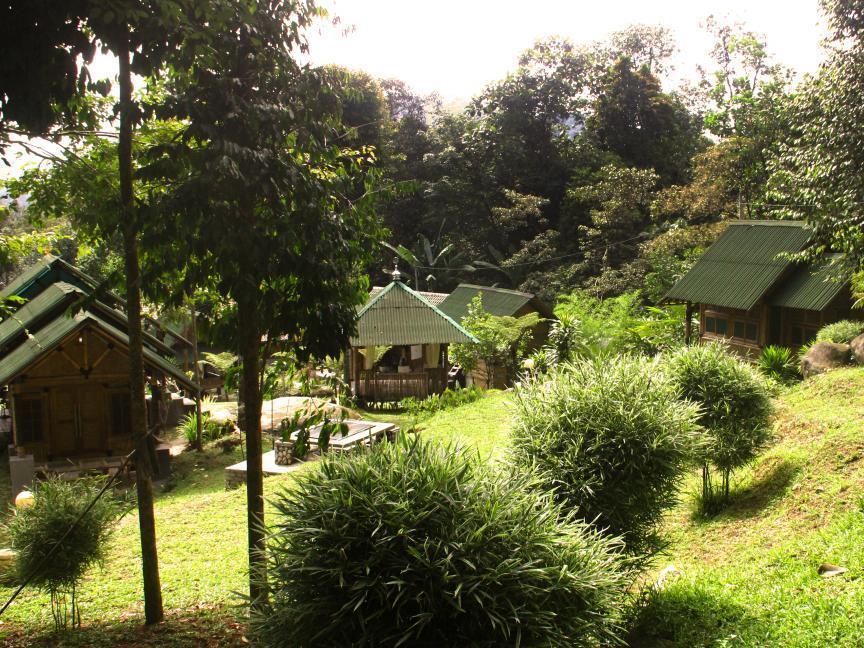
(64, 422)
(91, 419)
(78, 420)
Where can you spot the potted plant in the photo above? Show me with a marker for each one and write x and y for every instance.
(284, 446)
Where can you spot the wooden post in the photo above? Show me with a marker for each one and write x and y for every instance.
(688, 323)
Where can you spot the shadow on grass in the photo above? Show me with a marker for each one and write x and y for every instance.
(688, 614)
(769, 482)
(195, 472)
(218, 627)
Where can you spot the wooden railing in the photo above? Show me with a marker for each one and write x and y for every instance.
(378, 387)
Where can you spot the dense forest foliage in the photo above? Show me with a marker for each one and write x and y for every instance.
(583, 169)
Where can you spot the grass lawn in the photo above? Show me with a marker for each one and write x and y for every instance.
(202, 551)
(748, 575)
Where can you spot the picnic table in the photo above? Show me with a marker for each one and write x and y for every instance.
(360, 433)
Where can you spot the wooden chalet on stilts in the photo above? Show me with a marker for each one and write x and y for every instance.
(64, 366)
(750, 294)
(401, 346)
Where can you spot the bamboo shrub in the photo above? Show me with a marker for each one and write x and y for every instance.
(736, 409)
(39, 529)
(417, 544)
(611, 440)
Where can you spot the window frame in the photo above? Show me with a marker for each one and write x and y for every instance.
(24, 435)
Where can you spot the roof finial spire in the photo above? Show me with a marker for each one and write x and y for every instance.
(397, 276)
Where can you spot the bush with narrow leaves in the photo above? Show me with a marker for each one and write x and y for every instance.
(842, 332)
(779, 364)
(416, 544)
(54, 563)
(736, 408)
(611, 439)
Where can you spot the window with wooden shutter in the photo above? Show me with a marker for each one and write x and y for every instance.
(28, 419)
(120, 406)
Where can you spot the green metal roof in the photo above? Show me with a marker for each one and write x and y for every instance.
(50, 269)
(496, 301)
(28, 315)
(808, 289)
(61, 295)
(742, 265)
(43, 341)
(45, 272)
(398, 315)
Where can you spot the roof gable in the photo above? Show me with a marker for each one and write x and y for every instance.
(398, 315)
(742, 265)
(496, 301)
(40, 343)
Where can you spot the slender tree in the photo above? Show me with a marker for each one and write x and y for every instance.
(265, 208)
(43, 86)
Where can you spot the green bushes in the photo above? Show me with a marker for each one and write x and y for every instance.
(779, 364)
(736, 409)
(842, 332)
(589, 326)
(211, 429)
(611, 439)
(37, 529)
(419, 545)
(448, 399)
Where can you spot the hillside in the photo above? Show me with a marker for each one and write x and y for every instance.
(750, 575)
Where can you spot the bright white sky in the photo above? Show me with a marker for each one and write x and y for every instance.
(458, 46)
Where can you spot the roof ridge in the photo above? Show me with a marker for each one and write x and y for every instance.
(497, 289)
(769, 223)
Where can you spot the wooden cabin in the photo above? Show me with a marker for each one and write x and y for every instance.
(748, 294)
(65, 367)
(500, 302)
(401, 346)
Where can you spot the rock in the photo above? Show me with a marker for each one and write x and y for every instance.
(824, 356)
(857, 346)
(668, 575)
(827, 570)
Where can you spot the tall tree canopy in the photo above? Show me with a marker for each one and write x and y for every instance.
(817, 171)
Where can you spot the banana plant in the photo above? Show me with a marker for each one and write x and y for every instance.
(426, 258)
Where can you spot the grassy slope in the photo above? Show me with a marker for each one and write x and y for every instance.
(750, 574)
(202, 551)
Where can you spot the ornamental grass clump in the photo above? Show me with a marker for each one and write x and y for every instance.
(736, 408)
(611, 440)
(842, 332)
(52, 557)
(779, 364)
(416, 544)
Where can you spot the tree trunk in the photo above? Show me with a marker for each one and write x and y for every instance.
(137, 414)
(250, 352)
(199, 443)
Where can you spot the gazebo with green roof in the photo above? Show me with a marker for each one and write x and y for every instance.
(401, 346)
(751, 293)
